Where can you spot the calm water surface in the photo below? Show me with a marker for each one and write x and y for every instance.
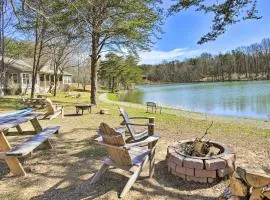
(243, 99)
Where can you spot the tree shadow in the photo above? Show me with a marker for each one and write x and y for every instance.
(112, 180)
(4, 169)
(73, 115)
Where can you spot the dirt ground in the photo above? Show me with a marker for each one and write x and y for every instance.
(64, 172)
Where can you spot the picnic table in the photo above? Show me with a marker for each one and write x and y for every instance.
(38, 137)
(82, 107)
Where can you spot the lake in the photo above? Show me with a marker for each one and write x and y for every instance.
(240, 98)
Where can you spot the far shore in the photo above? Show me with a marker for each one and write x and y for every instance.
(146, 83)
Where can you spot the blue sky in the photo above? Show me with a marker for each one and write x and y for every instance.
(183, 30)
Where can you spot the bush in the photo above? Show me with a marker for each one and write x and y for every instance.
(73, 87)
(13, 89)
(66, 88)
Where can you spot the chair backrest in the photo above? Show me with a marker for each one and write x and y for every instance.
(126, 120)
(49, 106)
(115, 142)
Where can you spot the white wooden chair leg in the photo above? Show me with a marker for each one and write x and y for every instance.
(98, 174)
(46, 115)
(62, 113)
(55, 115)
(130, 182)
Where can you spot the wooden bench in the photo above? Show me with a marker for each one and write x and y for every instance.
(31, 144)
(153, 106)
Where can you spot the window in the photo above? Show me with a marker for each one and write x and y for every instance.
(41, 77)
(66, 79)
(13, 78)
(26, 79)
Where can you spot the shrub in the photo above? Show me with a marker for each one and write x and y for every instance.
(13, 88)
(66, 88)
(73, 87)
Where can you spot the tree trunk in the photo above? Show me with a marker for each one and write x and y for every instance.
(34, 61)
(94, 65)
(39, 42)
(2, 49)
(55, 85)
(113, 85)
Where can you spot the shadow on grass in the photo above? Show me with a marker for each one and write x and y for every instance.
(4, 170)
(112, 181)
(73, 115)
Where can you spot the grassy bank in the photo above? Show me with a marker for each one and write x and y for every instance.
(64, 172)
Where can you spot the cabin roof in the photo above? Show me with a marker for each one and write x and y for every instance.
(25, 65)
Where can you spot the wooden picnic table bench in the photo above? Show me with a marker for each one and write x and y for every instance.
(39, 136)
(153, 106)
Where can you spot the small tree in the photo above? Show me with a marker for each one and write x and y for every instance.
(119, 71)
(61, 50)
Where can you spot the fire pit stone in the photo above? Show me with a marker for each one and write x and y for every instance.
(206, 169)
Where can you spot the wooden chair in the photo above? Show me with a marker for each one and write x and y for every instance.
(137, 135)
(53, 110)
(130, 157)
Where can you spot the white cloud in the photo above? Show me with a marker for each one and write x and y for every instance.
(156, 56)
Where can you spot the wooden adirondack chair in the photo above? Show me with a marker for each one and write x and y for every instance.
(136, 135)
(130, 157)
(53, 110)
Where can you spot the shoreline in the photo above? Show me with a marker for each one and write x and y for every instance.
(252, 122)
(197, 82)
(148, 82)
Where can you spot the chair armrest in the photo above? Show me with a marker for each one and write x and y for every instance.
(148, 140)
(139, 117)
(133, 124)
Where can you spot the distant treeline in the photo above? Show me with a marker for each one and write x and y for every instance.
(244, 63)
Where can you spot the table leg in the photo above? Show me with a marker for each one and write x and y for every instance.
(35, 123)
(12, 162)
(38, 128)
(77, 110)
(19, 129)
(82, 111)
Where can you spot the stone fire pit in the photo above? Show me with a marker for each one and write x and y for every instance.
(206, 169)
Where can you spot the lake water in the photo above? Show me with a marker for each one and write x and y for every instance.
(243, 98)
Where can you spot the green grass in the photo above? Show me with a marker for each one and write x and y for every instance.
(112, 96)
(9, 102)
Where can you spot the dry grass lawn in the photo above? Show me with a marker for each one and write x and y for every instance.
(64, 172)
